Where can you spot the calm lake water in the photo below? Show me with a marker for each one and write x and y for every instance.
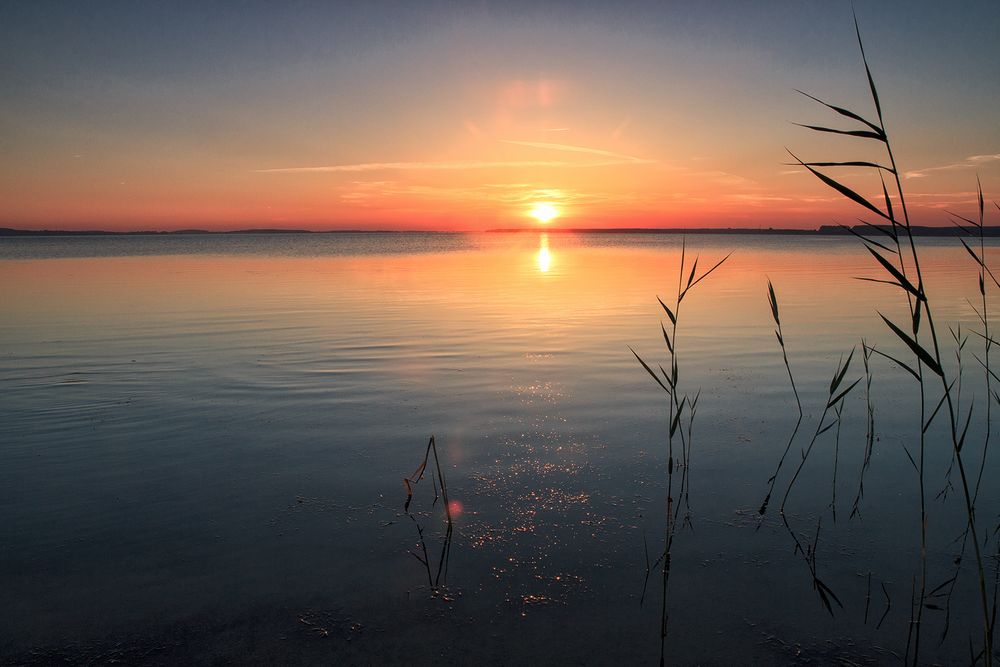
(203, 441)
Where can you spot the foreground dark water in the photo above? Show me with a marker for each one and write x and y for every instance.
(203, 442)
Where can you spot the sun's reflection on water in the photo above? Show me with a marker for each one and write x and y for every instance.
(543, 258)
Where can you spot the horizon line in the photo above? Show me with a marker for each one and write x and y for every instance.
(823, 230)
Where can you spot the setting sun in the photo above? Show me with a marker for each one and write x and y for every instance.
(544, 212)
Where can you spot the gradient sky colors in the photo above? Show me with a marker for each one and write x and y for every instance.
(445, 116)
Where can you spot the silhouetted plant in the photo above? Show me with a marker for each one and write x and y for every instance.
(679, 428)
(897, 256)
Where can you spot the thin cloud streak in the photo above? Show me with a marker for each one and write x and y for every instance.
(414, 166)
(568, 148)
(448, 166)
(612, 159)
(968, 163)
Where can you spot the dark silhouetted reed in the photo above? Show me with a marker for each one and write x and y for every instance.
(679, 427)
(894, 250)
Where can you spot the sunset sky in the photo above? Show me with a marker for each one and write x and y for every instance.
(436, 115)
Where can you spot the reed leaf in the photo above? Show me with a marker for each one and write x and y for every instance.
(774, 305)
(850, 163)
(888, 204)
(649, 370)
(838, 376)
(889, 231)
(965, 430)
(864, 134)
(670, 313)
(865, 239)
(677, 419)
(868, 72)
(979, 185)
(910, 456)
(898, 275)
(981, 263)
(971, 223)
(666, 337)
(826, 428)
(937, 408)
(842, 111)
(705, 275)
(917, 349)
(841, 395)
(903, 365)
(842, 189)
(940, 587)
(665, 375)
(974, 256)
(880, 280)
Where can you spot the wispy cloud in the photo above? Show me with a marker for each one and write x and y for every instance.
(970, 162)
(609, 159)
(569, 148)
(758, 199)
(434, 166)
(725, 178)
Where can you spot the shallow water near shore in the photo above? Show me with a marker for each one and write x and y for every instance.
(204, 439)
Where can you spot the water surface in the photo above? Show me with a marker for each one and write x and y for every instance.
(203, 442)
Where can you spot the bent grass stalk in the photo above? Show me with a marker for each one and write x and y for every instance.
(434, 581)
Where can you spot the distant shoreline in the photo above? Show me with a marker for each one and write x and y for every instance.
(825, 230)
